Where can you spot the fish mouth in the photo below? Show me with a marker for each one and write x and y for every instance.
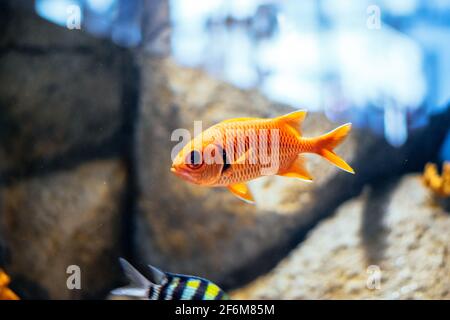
(176, 171)
(184, 174)
(180, 172)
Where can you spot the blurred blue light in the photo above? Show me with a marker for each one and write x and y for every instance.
(445, 151)
(319, 55)
(395, 126)
(101, 6)
(401, 7)
(243, 9)
(55, 11)
(126, 28)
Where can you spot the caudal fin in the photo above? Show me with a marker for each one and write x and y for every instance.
(329, 141)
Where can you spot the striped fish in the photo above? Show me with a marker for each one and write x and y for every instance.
(167, 286)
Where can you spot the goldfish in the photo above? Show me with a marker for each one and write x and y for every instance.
(235, 151)
(167, 286)
(5, 292)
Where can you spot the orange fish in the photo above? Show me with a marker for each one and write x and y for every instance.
(235, 151)
(5, 292)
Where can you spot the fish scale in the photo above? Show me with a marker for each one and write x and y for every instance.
(288, 149)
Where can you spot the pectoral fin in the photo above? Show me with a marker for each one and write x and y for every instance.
(241, 191)
(297, 170)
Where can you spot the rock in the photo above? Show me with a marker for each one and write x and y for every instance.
(63, 180)
(185, 228)
(391, 232)
(65, 218)
(60, 97)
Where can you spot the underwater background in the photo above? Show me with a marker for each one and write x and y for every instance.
(91, 91)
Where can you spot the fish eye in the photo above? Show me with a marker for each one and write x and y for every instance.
(194, 160)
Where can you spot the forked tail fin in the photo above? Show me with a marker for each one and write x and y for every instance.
(329, 141)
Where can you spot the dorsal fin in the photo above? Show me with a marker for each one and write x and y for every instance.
(159, 277)
(293, 121)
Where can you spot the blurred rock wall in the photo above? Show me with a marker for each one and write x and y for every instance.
(391, 242)
(63, 175)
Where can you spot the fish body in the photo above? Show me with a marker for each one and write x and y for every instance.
(167, 286)
(235, 151)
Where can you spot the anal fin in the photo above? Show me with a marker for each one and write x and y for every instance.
(241, 191)
(297, 170)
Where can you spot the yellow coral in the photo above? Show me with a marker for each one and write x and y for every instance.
(5, 292)
(439, 184)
